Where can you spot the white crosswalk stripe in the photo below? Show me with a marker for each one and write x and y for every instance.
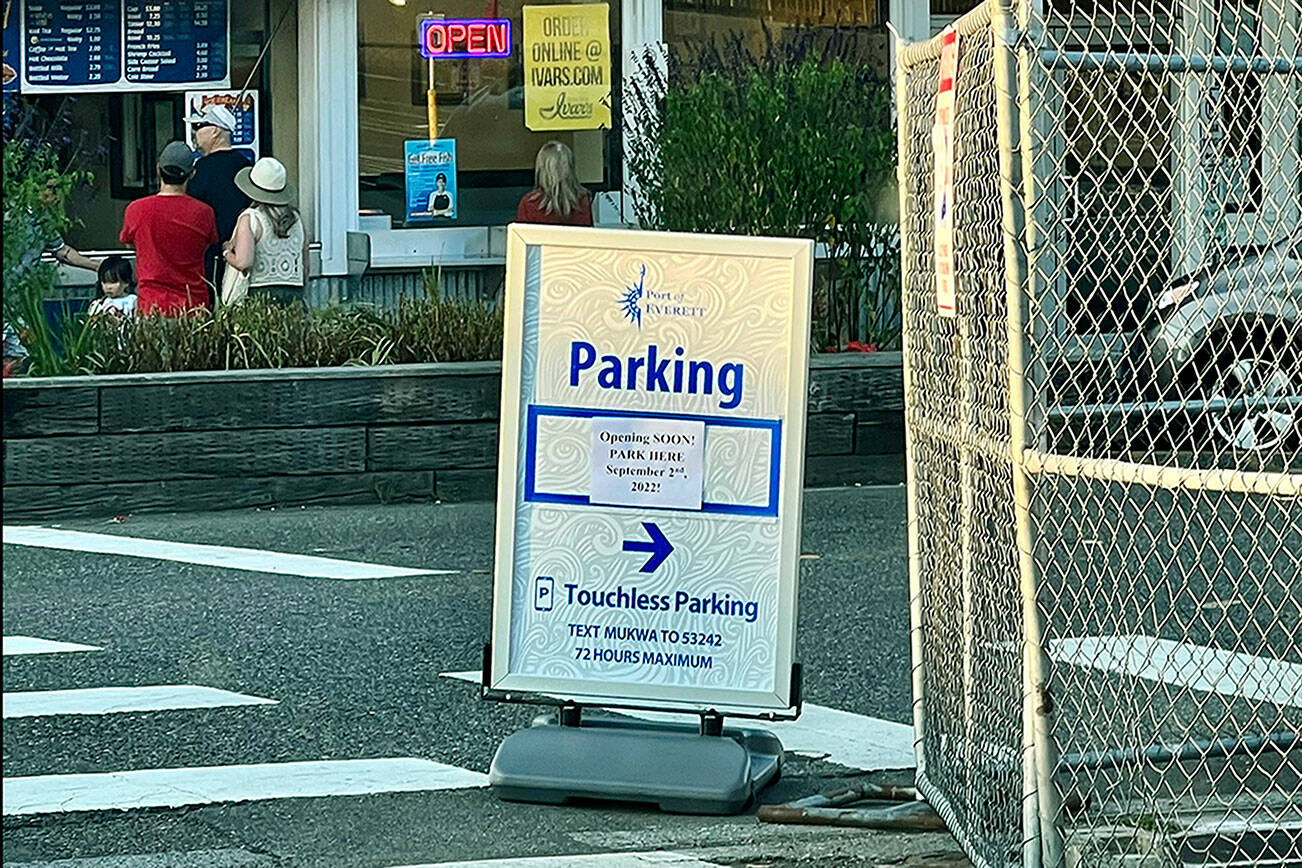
(228, 557)
(198, 785)
(852, 740)
(1183, 664)
(33, 645)
(224, 858)
(173, 788)
(657, 858)
(117, 700)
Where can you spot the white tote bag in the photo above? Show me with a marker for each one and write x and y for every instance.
(235, 285)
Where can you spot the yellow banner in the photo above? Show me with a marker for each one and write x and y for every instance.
(567, 67)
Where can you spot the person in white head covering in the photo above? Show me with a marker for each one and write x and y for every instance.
(270, 243)
(214, 176)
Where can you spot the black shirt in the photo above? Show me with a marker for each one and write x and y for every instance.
(214, 184)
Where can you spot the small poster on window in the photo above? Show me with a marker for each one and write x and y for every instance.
(567, 67)
(431, 177)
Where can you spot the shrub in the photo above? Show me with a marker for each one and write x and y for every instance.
(36, 191)
(257, 334)
(42, 150)
(790, 142)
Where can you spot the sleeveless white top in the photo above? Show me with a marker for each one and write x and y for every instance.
(276, 260)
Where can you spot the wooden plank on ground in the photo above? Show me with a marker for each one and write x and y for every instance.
(417, 447)
(208, 405)
(40, 412)
(29, 503)
(184, 454)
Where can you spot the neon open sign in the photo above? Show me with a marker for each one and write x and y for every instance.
(465, 37)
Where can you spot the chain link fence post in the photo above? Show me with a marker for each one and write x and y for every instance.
(1014, 113)
(907, 204)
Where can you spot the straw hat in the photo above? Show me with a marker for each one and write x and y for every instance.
(265, 181)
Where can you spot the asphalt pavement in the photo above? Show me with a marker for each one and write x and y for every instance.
(354, 670)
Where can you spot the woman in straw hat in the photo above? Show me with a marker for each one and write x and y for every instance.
(269, 243)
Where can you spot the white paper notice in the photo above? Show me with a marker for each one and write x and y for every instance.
(647, 462)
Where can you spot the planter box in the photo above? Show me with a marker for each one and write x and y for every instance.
(221, 439)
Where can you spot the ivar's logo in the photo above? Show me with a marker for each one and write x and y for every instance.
(631, 301)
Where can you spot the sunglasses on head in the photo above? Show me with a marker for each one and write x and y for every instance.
(197, 127)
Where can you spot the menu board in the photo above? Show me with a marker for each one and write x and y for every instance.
(124, 45)
(71, 45)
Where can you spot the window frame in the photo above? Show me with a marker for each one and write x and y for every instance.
(522, 179)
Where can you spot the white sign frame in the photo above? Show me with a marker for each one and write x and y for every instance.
(524, 242)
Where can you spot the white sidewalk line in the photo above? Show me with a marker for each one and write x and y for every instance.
(593, 860)
(852, 740)
(229, 557)
(171, 788)
(1182, 664)
(112, 700)
(32, 645)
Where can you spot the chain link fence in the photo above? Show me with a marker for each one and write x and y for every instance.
(1104, 437)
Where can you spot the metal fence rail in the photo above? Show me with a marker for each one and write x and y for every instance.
(1106, 546)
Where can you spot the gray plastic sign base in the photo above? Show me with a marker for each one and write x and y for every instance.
(671, 766)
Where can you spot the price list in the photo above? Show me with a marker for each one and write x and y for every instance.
(175, 43)
(71, 45)
(122, 45)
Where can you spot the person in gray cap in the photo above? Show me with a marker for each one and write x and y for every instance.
(170, 232)
(214, 178)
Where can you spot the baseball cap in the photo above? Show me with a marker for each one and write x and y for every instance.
(217, 115)
(178, 157)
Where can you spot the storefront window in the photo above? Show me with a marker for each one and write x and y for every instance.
(953, 7)
(692, 27)
(1242, 143)
(480, 105)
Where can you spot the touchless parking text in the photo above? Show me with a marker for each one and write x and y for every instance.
(722, 605)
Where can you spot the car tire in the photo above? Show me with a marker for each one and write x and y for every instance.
(1256, 366)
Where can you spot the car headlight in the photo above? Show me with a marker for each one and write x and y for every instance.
(1176, 294)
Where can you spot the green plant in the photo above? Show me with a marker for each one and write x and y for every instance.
(447, 330)
(258, 334)
(790, 142)
(36, 192)
(42, 150)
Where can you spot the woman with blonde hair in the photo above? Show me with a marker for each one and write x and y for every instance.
(558, 196)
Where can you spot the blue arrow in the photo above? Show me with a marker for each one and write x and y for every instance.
(659, 547)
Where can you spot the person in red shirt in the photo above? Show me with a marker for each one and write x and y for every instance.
(558, 196)
(170, 232)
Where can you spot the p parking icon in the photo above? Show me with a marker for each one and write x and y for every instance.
(543, 591)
